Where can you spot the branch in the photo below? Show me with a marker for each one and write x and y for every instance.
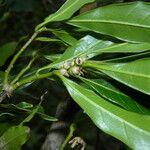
(23, 71)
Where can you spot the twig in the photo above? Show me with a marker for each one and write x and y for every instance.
(32, 78)
(16, 57)
(23, 71)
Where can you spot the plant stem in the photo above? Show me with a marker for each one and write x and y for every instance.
(16, 57)
(23, 71)
(71, 131)
(32, 78)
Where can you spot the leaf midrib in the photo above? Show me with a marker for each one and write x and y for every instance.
(121, 72)
(111, 22)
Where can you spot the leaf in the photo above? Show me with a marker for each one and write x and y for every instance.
(84, 46)
(47, 39)
(65, 12)
(53, 57)
(65, 36)
(47, 117)
(23, 105)
(134, 74)
(6, 50)
(131, 128)
(128, 21)
(111, 93)
(14, 138)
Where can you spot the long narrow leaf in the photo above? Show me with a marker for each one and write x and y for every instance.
(111, 93)
(134, 74)
(65, 12)
(127, 21)
(131, 128)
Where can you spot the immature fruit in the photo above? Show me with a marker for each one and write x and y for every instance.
(64, 72)
(75, 70)
(67, 65)
(79, 60)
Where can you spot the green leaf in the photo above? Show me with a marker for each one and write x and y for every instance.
(53, 57)
(131, 128)
(65, 12)
(65, 36)
(23, 105)
(127, 21)
(135, 74)
(6, 50)
(111, 93)
(14, 138)
(47, 117)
